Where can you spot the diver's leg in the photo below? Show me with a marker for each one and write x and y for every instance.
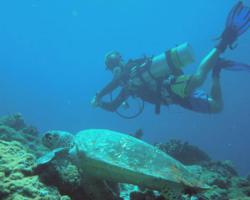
(201, 74)
(216, 100)
(237, 24)
(200, 101)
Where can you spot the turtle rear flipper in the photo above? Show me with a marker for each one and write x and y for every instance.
(196, 183)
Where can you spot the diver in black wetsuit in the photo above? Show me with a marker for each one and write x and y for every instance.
(175, 87)
(121, 76)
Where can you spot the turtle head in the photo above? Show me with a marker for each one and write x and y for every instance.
(58, 139)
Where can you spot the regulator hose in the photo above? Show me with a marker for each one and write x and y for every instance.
(141, 104)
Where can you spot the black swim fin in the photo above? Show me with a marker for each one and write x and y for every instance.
(229, 65)
(238, 22)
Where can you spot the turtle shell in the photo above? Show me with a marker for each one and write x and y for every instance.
(112, 155)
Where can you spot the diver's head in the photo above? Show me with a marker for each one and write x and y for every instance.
(114, 63)
(113, 59)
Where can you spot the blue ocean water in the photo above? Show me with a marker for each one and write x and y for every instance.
(51, 62)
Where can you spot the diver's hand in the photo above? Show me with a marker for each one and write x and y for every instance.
(125, 105)
(95, 102)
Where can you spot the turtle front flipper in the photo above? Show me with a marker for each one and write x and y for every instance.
(49, 157)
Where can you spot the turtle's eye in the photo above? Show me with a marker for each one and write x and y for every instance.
(48, 136)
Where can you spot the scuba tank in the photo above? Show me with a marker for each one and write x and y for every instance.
(163, 65)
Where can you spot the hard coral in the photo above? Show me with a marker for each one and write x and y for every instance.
(224, 168)
(15, 121)
(13, 128)
(65, 177)
(248, 177)
(225, 182)
(184, 152)
(16, 178)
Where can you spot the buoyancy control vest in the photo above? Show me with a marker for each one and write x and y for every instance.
(152, 71)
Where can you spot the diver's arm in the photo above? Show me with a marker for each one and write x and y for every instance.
(113, 105)
(108, 89)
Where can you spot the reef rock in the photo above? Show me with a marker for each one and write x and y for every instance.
(184, 152)
(15, 121)
(13, 128)
(221, 176)
(248, 177)
(17, 181)
(66, 177)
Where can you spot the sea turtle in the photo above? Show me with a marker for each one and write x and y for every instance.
(121, 158)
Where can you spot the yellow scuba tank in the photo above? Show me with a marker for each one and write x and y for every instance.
(163, 65)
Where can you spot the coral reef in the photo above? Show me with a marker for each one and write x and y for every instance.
(184, 152)
(65, 177)
(13, 128)
(20, 145)
(224, 182)
(17, 181)
(248, 177)
(221, 176)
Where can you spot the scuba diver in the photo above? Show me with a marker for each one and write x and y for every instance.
(160, 80)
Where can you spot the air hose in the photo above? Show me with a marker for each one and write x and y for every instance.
(141, 104)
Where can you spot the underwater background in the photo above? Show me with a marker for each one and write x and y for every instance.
(52, 64)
